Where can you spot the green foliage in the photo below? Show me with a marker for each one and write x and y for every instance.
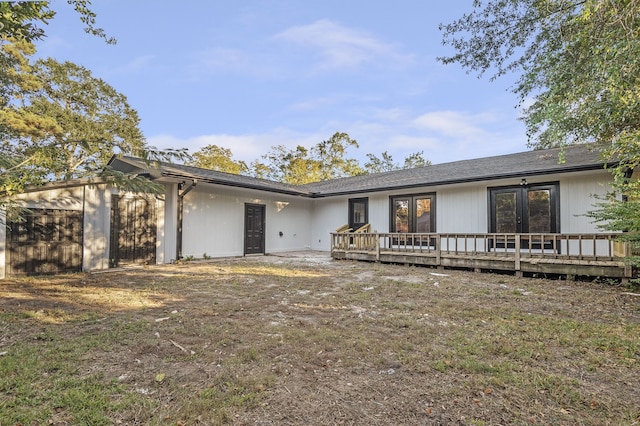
(385, 163)
(621, 213)
(330, 158)
(216, 158)
(56, 120)
(579, 61)
(95, 121)
(324, 161)
(20, 19)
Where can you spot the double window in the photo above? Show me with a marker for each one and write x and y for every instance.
(413, 213)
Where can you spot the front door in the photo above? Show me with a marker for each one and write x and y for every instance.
(254, 221)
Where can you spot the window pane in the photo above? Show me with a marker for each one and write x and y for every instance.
(401, 212)
(359, 212)
(506, 215)
(423, 215)
(539, 211)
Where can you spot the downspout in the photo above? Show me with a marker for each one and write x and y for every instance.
(181, 195)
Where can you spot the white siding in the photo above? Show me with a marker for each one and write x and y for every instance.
(328, 215)
(464, 208)
(332, 212)
(97, 226)
(576, 198)
(213, 222)
(461, 210)
(168, 225)
(379, 212)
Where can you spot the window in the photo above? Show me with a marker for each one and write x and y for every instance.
(358, 212)
(525, 209)
(413, 213)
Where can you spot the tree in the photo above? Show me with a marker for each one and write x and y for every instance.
(220, 159)
(325, 160)
(415, 160)
(20, 26)
(44, 130)
(579, 73)
(385, 163)
(20, 19)
(95, 122)
(330, 158)
(289, 166)
(381, 164)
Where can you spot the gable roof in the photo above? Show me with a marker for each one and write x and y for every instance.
(523, 164)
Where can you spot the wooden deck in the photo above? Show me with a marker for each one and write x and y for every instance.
(593, 255)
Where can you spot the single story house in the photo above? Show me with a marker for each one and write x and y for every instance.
(81, 225)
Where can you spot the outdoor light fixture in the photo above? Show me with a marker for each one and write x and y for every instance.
(523, 182)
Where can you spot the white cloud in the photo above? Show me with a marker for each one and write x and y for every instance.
(246, 147)
(455, 124)
(341, 47)
(443, 136)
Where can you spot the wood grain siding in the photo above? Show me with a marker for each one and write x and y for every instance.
(133, 230)
(48, 241)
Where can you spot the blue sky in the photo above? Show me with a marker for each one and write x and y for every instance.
(251, 74)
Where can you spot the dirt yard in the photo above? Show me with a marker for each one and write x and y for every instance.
(304, 340)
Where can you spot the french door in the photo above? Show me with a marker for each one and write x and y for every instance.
(413, 213)
(528, 209)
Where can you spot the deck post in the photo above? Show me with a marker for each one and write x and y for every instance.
(628, 269)
(517, 253)
(438, 249)
(377, 237)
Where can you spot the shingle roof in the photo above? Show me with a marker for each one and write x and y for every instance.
(523, 164)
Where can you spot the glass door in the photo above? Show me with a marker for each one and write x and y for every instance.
(524, 209)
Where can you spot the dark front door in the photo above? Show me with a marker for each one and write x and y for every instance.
(47, 241)
(254, 220)
(133, 230)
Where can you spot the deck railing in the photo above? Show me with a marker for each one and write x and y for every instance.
(552, 248)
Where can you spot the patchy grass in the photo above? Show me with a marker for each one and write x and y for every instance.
(304, 341)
